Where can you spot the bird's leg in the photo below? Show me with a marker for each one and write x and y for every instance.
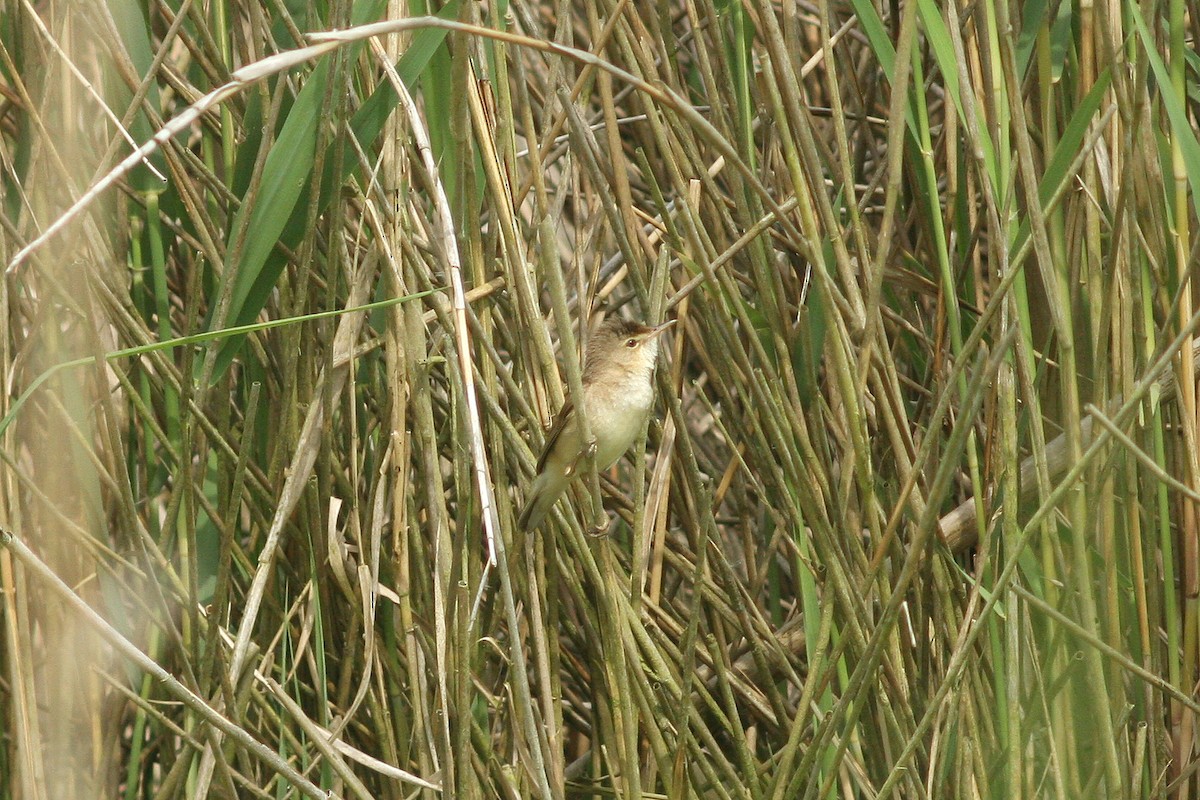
(587, 456)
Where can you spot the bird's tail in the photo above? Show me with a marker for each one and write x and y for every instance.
(542, 495)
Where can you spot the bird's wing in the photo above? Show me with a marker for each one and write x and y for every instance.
(560, 424)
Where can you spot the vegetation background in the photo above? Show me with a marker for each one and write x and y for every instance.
(917, 517)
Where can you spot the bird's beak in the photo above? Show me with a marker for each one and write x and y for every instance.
(657, 329)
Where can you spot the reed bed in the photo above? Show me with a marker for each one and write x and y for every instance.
(288, 289)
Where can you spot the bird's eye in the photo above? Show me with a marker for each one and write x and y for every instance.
(631, 342)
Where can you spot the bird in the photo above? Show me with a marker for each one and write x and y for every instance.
(618, 395)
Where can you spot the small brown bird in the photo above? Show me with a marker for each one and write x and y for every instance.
(617, 396)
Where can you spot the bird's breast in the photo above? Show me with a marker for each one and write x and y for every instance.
(615, 418)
